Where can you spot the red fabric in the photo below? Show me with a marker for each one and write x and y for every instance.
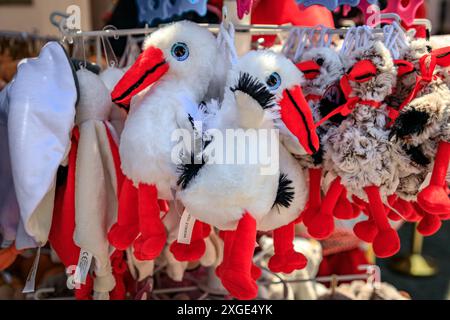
(152, 238)
(236, 269)
(314, 201)
(386, 242)
(126, 229)
(342, 263)
(344, 209)
(119, 268)
(63, 221)
(434, 198)
(285, 258)
(322, 225)
(148, 68)
(288, 11)
(297, 116)
(193, 251)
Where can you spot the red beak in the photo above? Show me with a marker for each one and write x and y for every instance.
(310, 69)
(403, 67)
(362, 71)
(148, 68)
(296, 115)
(442, 56)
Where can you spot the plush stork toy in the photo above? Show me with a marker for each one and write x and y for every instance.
(241, 198)
(173, 72)
(423, 124)
(358, 151)
(323, 68)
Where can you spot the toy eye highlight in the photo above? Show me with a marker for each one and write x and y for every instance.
(180, 51)
(273, 81)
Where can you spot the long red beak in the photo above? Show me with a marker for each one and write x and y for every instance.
(362, 71)
(148, 68)
(403, 67)
(297, 116)
(310, 69)
(442, 56)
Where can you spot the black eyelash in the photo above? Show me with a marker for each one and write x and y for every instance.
(255, 89)
(285, 192)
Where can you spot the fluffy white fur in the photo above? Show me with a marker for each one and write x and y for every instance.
(221, 193)
(155, 114)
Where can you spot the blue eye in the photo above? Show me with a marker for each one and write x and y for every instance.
(273, 81)
(180, 51)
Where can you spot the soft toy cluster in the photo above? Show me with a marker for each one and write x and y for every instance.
(360, 133)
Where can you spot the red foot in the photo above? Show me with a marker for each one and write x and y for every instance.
(188, 252)
(321, 227)
(121, 237)
(343, 209)
(240, 285)
(308, 214)
(434, 199)
(386, 243)
(365, 230)
(394, 216)
(429, 225)
(444, 216)
(288, 262)
(149, 248)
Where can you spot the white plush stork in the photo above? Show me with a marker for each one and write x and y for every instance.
(240, 198)
(172, 73)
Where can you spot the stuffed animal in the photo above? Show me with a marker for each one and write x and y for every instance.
(239, 198)
(422, 125)
(87, 200)
(171, 74)
(323, 68)
(358, 152)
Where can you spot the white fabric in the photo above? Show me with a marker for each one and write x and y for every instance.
(42, 101)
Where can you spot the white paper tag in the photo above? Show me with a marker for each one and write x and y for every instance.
(31, 279)
(83, 266)
(186, 226)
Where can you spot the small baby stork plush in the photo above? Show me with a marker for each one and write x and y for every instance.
(358, 152)
(239, 198)
(172, 73)
(422, 124)
(323, 68)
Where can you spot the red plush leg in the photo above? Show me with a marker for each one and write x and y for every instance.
(406, 209)
(386, 242)
(322, 224)
(228, 238)
(125, 231)
(314, 201)
(392, 215)
(366, 230)
(153, 235)
(429, 225)
(344, 209)
(286, 259)
(236, 275)
(193, 251)
(434, 198)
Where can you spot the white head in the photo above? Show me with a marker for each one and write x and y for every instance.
(277, 75)
(182, 52)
